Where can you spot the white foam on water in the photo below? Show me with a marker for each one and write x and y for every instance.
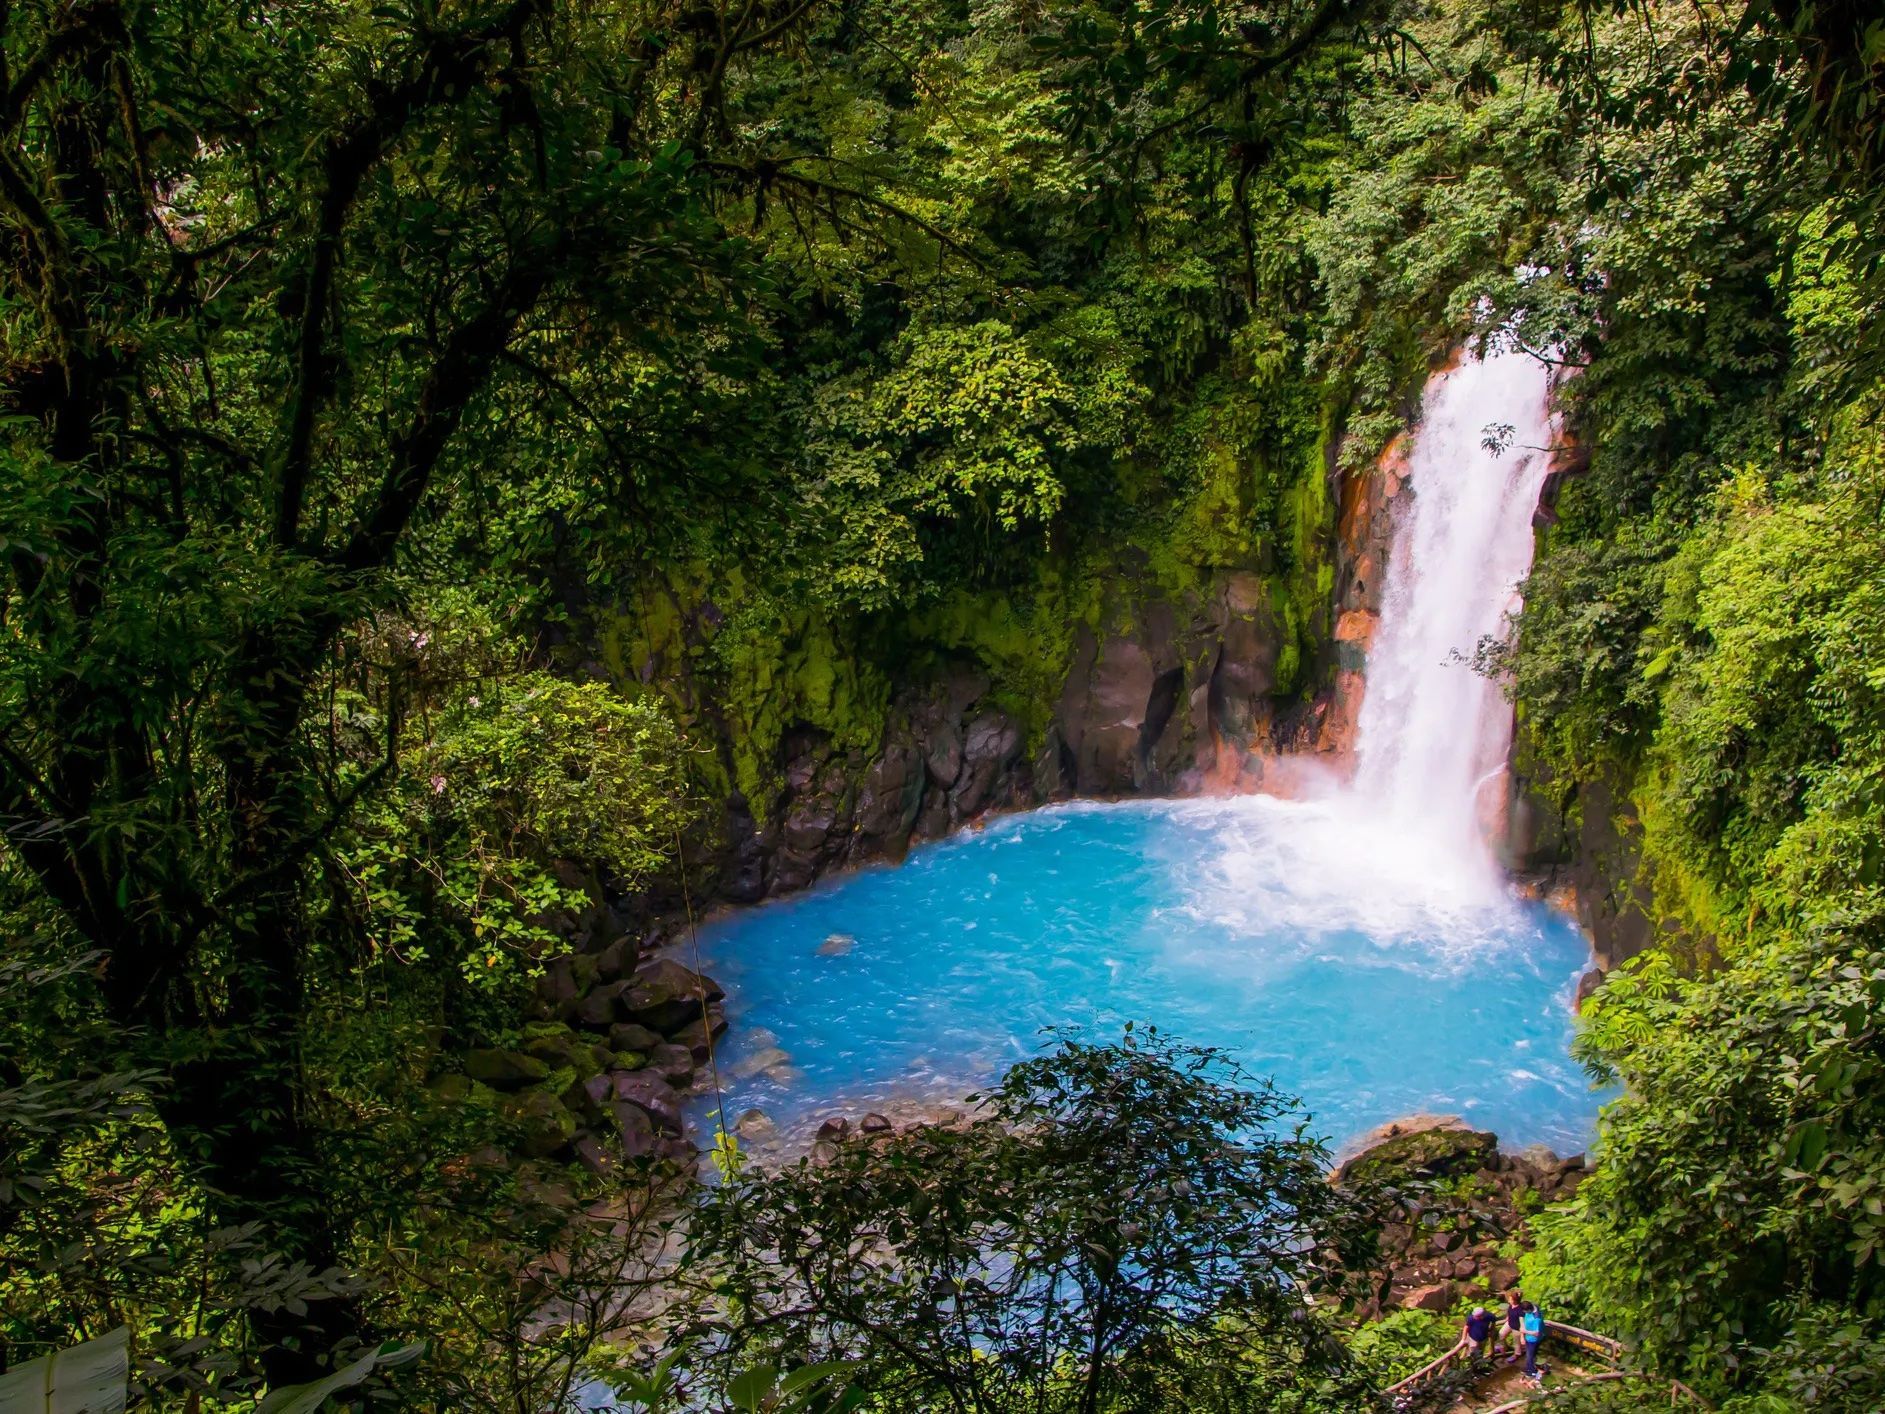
(1311, 869)
(1400, 855)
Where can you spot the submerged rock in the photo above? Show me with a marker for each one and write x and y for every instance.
(756, 1127)
(837, 945)
(758, 1063)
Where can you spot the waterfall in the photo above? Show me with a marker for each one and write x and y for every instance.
(1433, 734)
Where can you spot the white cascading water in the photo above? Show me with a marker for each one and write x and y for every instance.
(1402, 851)
(1433, 733)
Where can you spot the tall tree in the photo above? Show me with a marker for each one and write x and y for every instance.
(272, 277)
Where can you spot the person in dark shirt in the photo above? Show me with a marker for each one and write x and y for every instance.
(1514, 1317)
(1477, 1332)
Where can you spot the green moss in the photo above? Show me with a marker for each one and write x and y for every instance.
(1686, 896)
(1307, 583)
(1022, 640)
(776, 668)
(1425, 1153)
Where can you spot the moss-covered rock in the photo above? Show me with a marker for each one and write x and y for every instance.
(1424, 1153)
(451, 1089)
(543, 1124)
(505, 1069)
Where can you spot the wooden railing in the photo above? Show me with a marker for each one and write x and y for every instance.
(1427, 1373)
(1602, 1347)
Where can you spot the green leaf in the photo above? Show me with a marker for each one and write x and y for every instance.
(93, 1378)
(811, 1374)
(748, 1389)
(308, 1398)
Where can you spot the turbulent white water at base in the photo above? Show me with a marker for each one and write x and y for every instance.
(1433, 733)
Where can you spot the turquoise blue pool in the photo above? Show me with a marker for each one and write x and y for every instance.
(1363, 974)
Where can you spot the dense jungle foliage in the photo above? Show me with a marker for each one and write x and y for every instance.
(381, 381)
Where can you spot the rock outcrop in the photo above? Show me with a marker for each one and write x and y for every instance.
(603, 1075)
(1584, 846)
(1457, 1203)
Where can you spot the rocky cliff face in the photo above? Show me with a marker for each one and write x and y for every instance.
(1224, 683)
(1585, 846)
(1162, 693)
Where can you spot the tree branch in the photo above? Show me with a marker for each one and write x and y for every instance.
(83, 26)
(458, 374)
(446, 68)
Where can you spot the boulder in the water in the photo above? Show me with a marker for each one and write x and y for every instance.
(755, 1125)
(837, 945)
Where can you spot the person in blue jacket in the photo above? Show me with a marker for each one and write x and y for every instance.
(1531, 1326)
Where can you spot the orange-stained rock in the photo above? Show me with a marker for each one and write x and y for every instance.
(1357, 626)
